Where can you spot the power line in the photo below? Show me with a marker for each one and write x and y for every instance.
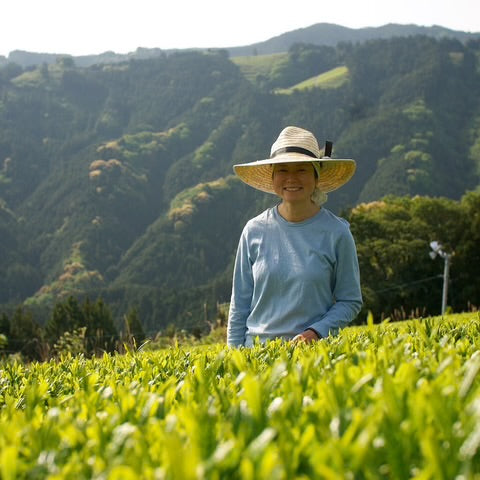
(403, 285)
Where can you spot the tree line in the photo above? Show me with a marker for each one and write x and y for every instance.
(399, 278)
(73, 327)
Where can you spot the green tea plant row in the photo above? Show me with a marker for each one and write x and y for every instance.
(396, 401)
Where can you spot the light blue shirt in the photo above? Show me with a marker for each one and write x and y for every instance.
(291, 276)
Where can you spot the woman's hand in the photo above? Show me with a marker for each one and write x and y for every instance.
(308, 336)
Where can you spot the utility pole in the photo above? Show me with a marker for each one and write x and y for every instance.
(437, 249)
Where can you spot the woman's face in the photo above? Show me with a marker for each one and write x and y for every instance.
(294, 182)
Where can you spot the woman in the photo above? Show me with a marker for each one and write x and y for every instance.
(296, 272)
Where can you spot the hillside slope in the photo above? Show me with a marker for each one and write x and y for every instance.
(116, 178)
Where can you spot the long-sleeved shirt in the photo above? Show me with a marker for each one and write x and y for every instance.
(292, 276)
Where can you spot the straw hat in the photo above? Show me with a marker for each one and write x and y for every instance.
(295, 144)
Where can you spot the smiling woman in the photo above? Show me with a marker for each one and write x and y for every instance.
(295, 183)
(296, 273)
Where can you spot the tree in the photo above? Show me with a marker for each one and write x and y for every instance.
(96, 318)
(4, 325)
(393, 235)
(66, 317)
(133, 328)
(26, 336)
(101, 334)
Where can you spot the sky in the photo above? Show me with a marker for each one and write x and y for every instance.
(85, 27)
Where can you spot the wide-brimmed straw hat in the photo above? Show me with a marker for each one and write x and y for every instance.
(295, 144)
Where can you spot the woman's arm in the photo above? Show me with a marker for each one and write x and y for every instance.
(242, 291)
(346, 289)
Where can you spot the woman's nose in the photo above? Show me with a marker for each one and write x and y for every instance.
(291, 176)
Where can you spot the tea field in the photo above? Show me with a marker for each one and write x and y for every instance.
(393, 401)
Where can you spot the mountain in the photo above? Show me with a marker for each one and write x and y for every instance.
(318, 34)
(116, 179)
(331, 35)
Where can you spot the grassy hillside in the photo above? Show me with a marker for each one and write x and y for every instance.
(259, 65)
(386, 401)
(334, 78)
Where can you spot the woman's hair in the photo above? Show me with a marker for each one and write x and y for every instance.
(318, 197)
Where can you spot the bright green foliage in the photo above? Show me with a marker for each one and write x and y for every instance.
(380, 401)
(259, 65)
(72, 343)
(334, 78)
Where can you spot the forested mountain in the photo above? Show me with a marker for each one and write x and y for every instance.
(328, 34)
(116, 179)
(322, 34)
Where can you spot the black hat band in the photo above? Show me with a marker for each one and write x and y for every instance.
(301, 150)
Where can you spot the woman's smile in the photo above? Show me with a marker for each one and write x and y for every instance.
(294, 181)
